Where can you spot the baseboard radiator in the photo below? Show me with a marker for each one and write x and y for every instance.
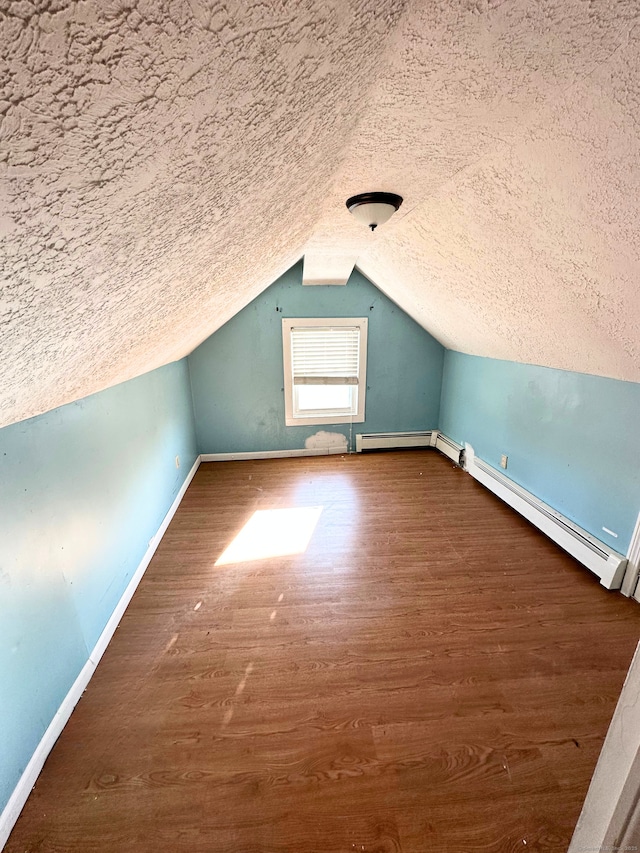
(607, 564)
(389, 440)
(398, 440)
(604, 562)
(445, 445)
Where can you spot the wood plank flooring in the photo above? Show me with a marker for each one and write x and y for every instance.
(431, 674)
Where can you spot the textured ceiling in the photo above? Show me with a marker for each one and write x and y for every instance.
(163, 162)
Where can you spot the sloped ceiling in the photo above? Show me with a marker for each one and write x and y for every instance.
(161, 163)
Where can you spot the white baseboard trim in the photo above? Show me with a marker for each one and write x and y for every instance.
(127, 595)
(271, 454)
(630, 584)
(21, 792)
(430, 438)
(18, 798)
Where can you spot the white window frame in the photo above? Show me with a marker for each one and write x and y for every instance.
(288, 323)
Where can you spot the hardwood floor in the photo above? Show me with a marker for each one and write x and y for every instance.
(431, 674)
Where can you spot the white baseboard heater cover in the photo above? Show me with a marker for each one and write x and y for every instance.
(428, 438)
(445, 445)
(380, 440)
(607, 564)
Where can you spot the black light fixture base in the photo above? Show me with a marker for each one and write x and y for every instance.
(374, 198)
(372, 209)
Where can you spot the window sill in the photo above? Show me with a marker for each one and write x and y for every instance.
(312, 420)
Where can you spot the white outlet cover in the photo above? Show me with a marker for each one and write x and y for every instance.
(504, 459)
(177, 461)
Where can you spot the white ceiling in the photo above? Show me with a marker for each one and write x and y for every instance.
(163, 162)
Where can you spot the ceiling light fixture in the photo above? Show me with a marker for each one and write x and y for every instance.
(374, 209)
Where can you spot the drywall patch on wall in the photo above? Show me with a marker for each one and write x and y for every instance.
(237, 374)
(323, 440)
(571, 438)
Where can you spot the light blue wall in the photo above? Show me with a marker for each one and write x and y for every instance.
(83, 489)
(572, 439)
(237, 374)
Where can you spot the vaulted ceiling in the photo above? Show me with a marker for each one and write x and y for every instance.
(162, 162)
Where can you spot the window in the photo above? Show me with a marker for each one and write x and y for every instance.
(325, 363)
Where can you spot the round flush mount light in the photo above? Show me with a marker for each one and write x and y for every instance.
(374, 209)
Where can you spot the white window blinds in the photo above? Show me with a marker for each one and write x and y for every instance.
(325, 355)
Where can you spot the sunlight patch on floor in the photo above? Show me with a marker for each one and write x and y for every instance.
(272, 533)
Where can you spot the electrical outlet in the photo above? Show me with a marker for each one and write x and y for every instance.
(178, 462)
(504, 460)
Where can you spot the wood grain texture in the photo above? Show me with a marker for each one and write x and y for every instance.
(431, 674)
